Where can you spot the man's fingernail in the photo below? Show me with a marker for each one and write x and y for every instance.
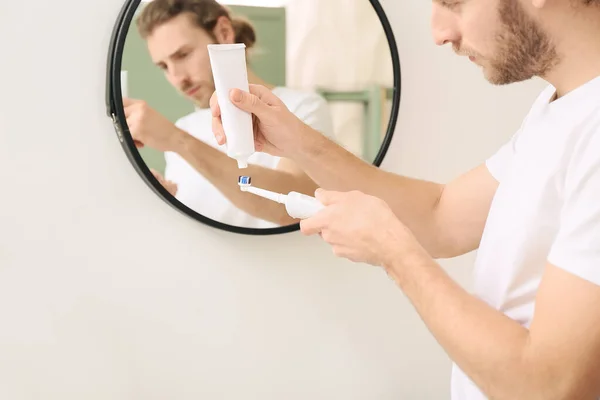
(236, 95)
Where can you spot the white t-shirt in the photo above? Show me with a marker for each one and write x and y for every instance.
(198, 193)
(546, 208)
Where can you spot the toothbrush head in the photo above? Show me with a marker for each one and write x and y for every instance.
(244, 181)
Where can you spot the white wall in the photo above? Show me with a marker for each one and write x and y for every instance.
(108, 293)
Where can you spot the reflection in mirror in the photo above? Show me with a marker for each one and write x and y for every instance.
(328, 61)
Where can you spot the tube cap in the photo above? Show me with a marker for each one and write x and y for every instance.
(242, 164)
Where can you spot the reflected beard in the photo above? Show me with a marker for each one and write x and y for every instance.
(202, 97)
(201, 100)
(524, 49)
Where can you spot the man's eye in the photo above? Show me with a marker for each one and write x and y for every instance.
(449, 4)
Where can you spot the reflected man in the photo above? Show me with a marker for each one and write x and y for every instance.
(198, 172)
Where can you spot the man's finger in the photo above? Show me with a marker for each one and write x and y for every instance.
(218, 131)
(264, 94)
(214, 105)
(312, 225)
(135, 136)
(328, 197)
(131, 109)
(156, 174)
(248, 102)
(129, 102)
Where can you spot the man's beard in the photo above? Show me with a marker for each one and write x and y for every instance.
(201, 98)
(524, 49)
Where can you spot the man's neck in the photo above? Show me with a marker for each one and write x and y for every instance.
(579, 58)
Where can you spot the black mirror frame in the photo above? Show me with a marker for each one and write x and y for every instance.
(114, 110)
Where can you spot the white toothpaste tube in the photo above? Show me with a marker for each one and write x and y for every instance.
(124, 84)
(297, 205)
(228, 63)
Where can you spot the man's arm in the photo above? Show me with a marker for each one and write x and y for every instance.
(223, 173)
(448, 220)
(150, 128)
(557, 358)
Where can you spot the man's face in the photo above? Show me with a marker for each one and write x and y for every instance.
(498, 35)
(178, 47)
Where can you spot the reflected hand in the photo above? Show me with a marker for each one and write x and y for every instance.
(277, 130)
(361, 228)
(170, 186)
(148, 127)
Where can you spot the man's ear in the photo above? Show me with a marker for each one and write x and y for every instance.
(223, 31)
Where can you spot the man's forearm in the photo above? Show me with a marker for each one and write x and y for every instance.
(334, 168)
(487, 345)
(223, 172)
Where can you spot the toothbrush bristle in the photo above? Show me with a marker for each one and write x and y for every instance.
(244, 181)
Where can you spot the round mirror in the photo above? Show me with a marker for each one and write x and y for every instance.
(333, 63)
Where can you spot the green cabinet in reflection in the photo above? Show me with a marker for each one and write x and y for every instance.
(146, 81)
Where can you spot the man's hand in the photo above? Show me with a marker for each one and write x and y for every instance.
(277, 130)
(148, 127)
(169, 185)
(361, 228)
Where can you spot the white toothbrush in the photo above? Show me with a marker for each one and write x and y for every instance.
(297, 205)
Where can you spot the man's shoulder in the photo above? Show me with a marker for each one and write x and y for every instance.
(586, 134)
(580, 165)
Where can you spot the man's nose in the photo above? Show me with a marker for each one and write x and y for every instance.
(179, 77)
(443, 27)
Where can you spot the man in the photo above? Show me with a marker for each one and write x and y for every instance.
(532, 328)
(198, 172)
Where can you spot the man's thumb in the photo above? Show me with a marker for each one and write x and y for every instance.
(247, 102)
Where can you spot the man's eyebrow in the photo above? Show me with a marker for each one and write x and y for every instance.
(180, 49)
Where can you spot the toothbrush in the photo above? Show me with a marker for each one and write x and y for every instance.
(297, 205)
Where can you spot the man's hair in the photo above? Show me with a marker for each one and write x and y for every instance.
(204, 14)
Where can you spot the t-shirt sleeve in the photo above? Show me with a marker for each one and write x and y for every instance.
(315, 112)
(499, 162)
(172, 172)
(576, 247)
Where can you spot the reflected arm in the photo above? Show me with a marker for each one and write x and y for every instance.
(223, 172)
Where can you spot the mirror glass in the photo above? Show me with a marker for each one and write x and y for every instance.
(329, 61)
